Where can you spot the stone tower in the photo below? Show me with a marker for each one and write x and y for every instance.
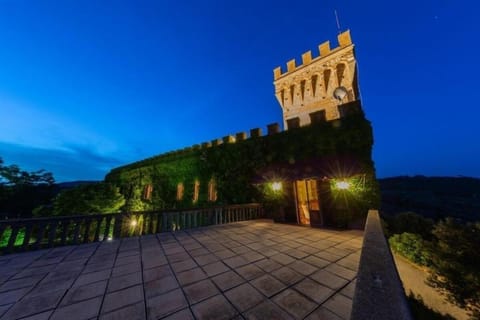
(306, 92)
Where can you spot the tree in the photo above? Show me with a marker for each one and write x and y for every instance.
(89, 199)
(22, 191)
(455, 263)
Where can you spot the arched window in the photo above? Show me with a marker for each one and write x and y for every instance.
(180, 191)
(196, 191)
(340, 73)
(212, 190)
(147, 192)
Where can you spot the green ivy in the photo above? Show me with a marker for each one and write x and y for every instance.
(235, 165)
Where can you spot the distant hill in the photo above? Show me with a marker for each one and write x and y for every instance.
(433, 197)
(73, 184)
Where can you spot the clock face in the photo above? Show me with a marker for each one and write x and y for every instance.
(340, 93)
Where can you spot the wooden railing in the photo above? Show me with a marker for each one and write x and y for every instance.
(32, 234)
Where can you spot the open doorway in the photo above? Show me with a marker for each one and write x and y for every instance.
(308, 202)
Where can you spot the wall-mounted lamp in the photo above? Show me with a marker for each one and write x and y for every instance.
(277, 186)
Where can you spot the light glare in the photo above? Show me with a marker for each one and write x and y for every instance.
(342, 185)
(276, 186)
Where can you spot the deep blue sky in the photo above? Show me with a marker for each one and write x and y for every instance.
(88, 85)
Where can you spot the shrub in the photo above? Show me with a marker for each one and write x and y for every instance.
(411, 246)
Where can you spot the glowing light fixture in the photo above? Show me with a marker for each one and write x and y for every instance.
(277, 186)
(133, 223)
(109, 239)
(342, 185)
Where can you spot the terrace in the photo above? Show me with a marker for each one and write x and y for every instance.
(252, 269)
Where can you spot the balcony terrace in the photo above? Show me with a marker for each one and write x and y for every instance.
(251, 269)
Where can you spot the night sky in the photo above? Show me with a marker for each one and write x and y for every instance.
(86, 86)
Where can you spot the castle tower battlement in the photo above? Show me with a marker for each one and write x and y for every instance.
(306, 92)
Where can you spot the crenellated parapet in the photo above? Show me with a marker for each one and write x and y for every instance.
(306, 91)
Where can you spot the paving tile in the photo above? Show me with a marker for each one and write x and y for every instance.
(287, 275)
(323, 313)
(97, 267)
(190, 276)
(215, 268)
(282, 258)
(125, 281)
(268, 252)
(126, 269)
(4, 308)
(118, 299)
(267, 310)
(184, 314)
(131, 312)
(20, 283)
(165, 304)
(30, 305)
(339, 251)
(250, 271)
(206, 259)
(329, 279)
(183, 265)
(178, 257)
(92, 277)
(243, 249)
(252, 256)
(198, 252)
(13, 295)
(154, 261)
(349, 290)
(294, 303)
(316, 261)
(309, 249)
(268, 285)
(40, 316)
(235, 262)
(315, 291)
(225, 254)
(79, 311)
(200, 291)
(77, 294)
(340, 305)
(297, 254)
(227, 280)
(33, 271)
(349, 263)
(157, 273)
(244, 297)
(268, 265)
(160, 286)
(341, 271)
(303, 267)
(328, 256)
(215, 308)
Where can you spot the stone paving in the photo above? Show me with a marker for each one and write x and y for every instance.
(245, 270)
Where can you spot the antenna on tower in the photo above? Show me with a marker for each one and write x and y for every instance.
(338, 21)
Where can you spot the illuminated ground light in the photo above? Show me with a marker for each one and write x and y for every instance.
(342, 185)
(277, 186)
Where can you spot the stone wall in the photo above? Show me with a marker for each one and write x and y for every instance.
(379, 292)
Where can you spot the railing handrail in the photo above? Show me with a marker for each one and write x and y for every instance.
(98, 215)
(35, 233)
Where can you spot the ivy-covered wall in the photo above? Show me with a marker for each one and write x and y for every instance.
(237, 167)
